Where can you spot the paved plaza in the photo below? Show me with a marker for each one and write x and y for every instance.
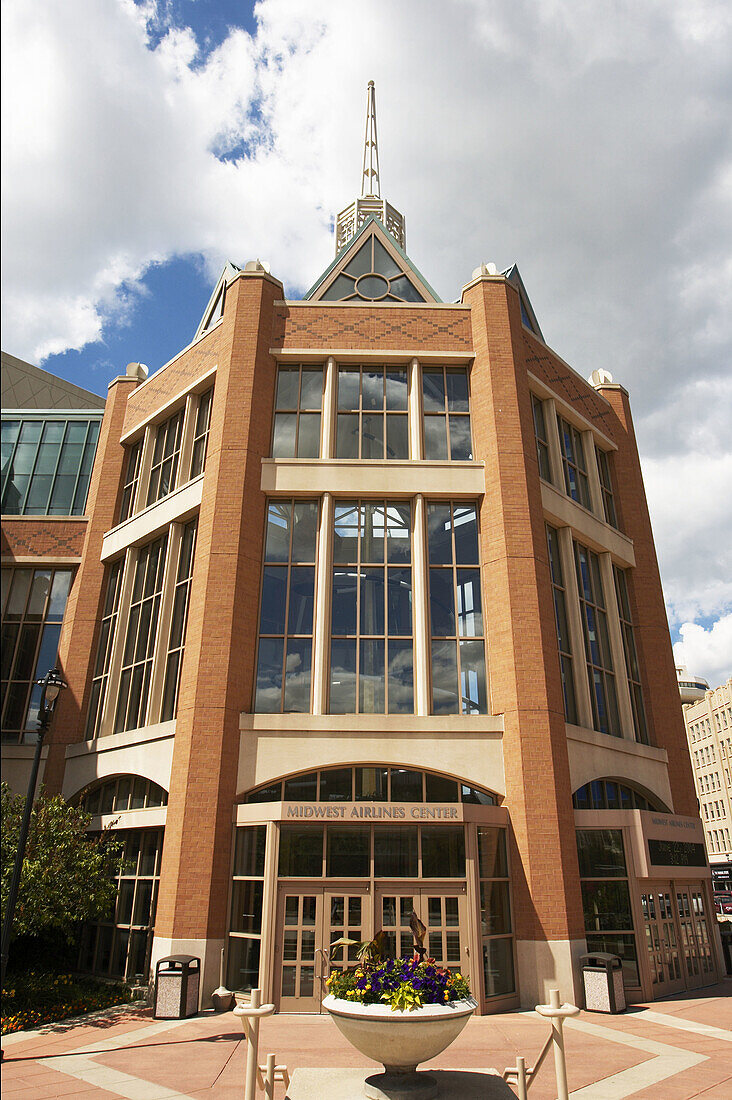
(666, 1050)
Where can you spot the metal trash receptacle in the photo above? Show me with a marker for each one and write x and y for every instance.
(177, 985)
(602, 976)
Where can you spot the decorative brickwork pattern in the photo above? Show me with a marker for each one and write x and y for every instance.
(178, 376)
(411, 330)
(541, 362)
(23, 538)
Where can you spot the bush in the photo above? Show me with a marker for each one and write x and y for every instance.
(37, 997)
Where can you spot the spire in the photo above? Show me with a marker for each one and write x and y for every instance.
(370, 182)
(370, 202)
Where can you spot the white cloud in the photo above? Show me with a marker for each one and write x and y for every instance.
(589, 142)
(707, 653)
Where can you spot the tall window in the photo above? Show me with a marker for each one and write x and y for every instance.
(542, 440)
(371, 668)
(298, 406)
(287, 604)
(372, 413)
(120, 946)
(104, 649)
(46, 465)
(456, 612)
(631, 656)
(179, 622)
(560, 611)
(132, 480)
(573, 461)
(200, 435)
(446, 414)
(164, 467)
(597, 642)
(247, 894)
(142, 629)
(606, 897)
(606, 485)
(33, 607)
(495, 912)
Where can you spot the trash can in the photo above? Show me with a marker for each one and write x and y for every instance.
(602, 976)
(177, 981)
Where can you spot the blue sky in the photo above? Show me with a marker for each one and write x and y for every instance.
(146, 143)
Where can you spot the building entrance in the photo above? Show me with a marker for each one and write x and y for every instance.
(309, 920)
(677, 937)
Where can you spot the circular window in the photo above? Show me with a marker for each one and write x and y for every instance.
(372, 286)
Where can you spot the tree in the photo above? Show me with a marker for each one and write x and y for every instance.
(68, 875)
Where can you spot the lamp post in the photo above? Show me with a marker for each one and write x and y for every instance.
(52, 685)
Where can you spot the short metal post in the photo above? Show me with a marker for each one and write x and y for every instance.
(557, 1013)
(250, 1015)
(269, 1078)
(521, 1078)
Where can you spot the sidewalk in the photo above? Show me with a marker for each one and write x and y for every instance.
(666, 1050)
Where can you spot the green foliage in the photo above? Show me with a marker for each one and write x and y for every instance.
(403, 999)
(67, 877)
(35, 997)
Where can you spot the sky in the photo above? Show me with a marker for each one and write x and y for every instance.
(589, 141)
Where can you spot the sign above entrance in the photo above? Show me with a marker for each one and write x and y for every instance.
(370, 811)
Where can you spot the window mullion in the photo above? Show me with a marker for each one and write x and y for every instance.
(322, 615)
(617, 649)
(420, 610)
(187, 434)
(593, 475)
(167, 599)
(576, 628)
(414, 405)
(328, 432)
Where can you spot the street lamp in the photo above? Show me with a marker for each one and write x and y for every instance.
(52, 685)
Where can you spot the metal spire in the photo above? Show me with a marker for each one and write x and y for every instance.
(370, 182)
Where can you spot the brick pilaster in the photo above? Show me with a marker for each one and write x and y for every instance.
(660, 687)
(218, 669)
(522, 648)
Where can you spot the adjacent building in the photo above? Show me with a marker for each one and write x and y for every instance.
(708, 721)
(367, 618)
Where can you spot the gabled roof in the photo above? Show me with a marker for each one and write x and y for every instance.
(372, 268)
(215, 307)
(527, 313)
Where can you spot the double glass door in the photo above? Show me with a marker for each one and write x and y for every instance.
(311, 918)
(677, 937)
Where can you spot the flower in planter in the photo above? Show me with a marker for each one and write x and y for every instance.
(404, 984)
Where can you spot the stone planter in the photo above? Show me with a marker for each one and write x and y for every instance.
(400, 1041)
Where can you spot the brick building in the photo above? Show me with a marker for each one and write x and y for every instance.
(368, 617)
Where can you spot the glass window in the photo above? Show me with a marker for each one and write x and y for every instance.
(560, 613)
(107, 631)
(298, 406)
(200, 435)
(446, 408)
(443, 851)
(373, 275)
(142, 628)
(179, 622)
(301, 851)
(372, 413)
(631, 656)
(164, 469)
(395, 852)
(119, 947)
(606, 897)
(573, 461)
(34, 601)
(46, 465)
(132, 480)
(348, 851)
(601, 853)
(597, 642)
(542, 440)
(371, 609)
(606, 485)
(608, 794)
(456, 612)
(287, 607)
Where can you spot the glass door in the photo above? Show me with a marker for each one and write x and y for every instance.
(661, 940)
(695, 941)
(441, 908)
(309, 920)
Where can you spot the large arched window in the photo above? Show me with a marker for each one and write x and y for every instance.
(371, 783)
(611, 794)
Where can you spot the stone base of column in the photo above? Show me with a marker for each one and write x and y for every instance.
(549, 964)
(208, 951)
